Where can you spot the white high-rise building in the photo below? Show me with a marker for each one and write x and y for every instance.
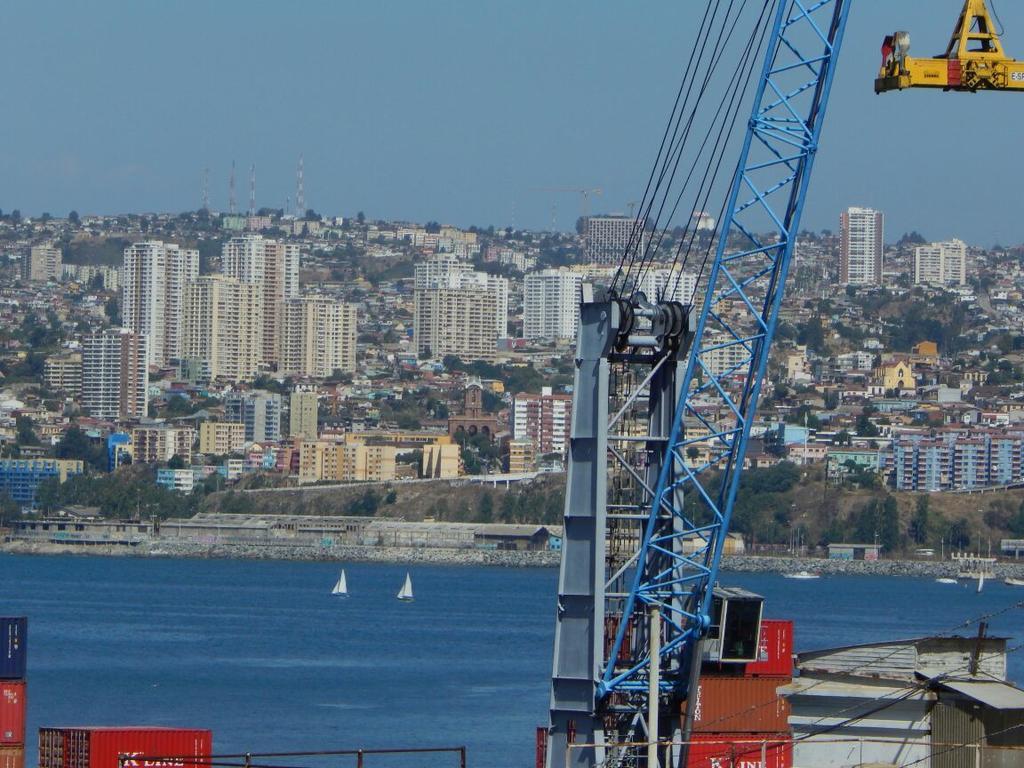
(941, 263)
(155, 275)
(319, 337)
(274, 266)
(551, 304)
(459, 312)
(45, 263)
(860, 248)
(223, 326)
(665, 284)
(605, 238)
(115, 374)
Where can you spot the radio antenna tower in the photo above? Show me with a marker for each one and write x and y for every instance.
(300, 191)
(231, 189)
(252, 189)
(206, 189)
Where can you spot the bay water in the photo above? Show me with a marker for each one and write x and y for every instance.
(261, 653)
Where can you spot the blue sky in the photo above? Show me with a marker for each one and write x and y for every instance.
(455, 110)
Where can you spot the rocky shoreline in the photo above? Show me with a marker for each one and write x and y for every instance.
(489, 557)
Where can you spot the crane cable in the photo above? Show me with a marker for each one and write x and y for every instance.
(639, 221)
(730, 105)
(703, 203)
(677, 141)
(677, 148)
(677, 151)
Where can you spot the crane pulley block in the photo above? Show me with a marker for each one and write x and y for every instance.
(974, 59)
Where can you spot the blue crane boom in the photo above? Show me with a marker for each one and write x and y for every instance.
(645, 530)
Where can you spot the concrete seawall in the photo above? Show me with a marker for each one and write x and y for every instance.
(490, 557)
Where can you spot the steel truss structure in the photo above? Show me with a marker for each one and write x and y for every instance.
(661, 420)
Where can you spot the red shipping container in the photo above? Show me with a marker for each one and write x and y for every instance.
(775, 655)
(12, 712)
(738, 705)
(12, 757)
(100, 747)
(724, 750)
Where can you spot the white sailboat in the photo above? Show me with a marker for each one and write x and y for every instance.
(405, 593)
(981, 581)
(341, 588)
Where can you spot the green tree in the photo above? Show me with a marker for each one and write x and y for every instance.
(918, 529)
(485, 510)
(959, 535)
(889, 524)
(26, 435)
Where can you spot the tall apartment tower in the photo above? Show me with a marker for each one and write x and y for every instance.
(153, 287)
(115, 374)
(606, 238)
(941, 263)
(259, 411)
(860, 249)
(458, 311)
(273, 266)
(223, 326)
(319, 337)
(669, 285)
(303, 415)
(551, 304)
(45, 263)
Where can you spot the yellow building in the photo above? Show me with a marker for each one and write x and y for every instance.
(441, 461)
(896, 374)
(219, 438)
(521, 456)
(349, 460)
(303, 413)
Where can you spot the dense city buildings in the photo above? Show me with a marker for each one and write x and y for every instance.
(45, 263)
(459, 312)
(155, 276)
(222, 328)
(260, 412)
(941, 263)
(319, 337)
(274, 267)
(115, 374)
(606, 238)
(551, 304)
(861, 246)
(545, 419)
(303, 415)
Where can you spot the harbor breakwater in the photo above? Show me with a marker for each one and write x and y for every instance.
(493, 557)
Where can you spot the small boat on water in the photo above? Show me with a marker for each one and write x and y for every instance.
(802, 575)
(405, 593)
(981, 581)
(946, 580)
(1010, 581)
(341, 588)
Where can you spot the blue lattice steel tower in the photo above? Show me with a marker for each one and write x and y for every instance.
(646, 520)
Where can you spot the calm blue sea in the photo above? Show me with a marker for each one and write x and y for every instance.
(263, 655)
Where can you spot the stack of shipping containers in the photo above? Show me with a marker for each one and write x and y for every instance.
(127, 747)
(739, 718)
(13, 637)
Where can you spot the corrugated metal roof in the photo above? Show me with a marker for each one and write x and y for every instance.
(992, 693)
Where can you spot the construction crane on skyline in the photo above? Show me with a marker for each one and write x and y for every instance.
(584, 193)
(666, 392)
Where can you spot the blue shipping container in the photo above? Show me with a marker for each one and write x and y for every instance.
(13, 647)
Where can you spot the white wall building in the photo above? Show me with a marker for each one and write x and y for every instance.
(457, 311)
(274, 266)
(551, 304)
(223, 326)
(319, 337)
(115, 374)
(154, 279)
(861, 232)
(941, 263)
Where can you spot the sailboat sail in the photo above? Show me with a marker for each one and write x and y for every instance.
(341, 588)
(405, 593)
